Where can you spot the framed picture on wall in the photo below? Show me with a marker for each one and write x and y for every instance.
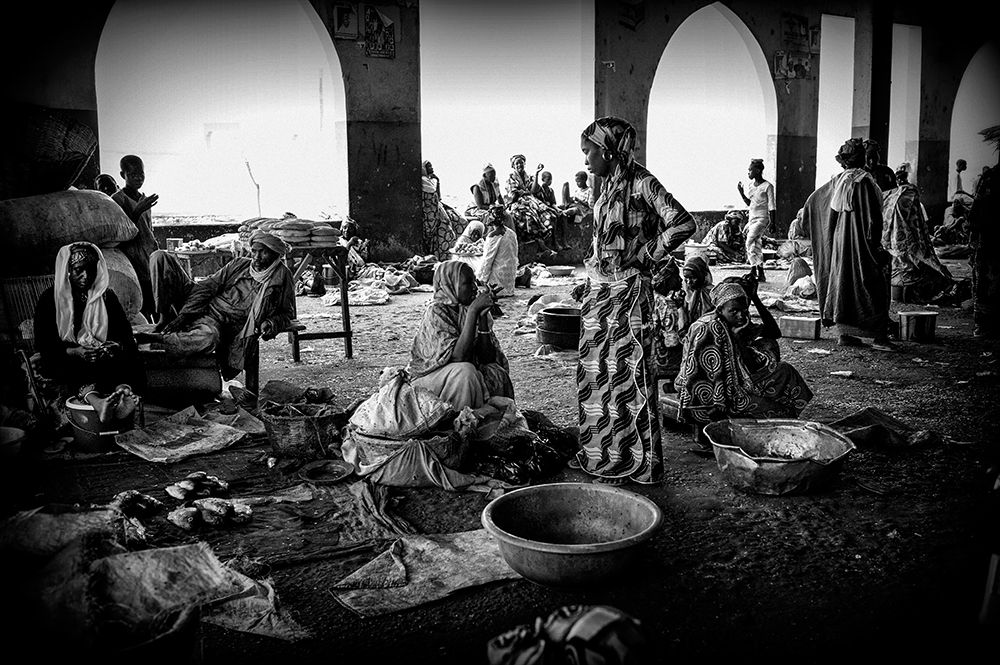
(345, 21)
(814, 37)
(380, 34)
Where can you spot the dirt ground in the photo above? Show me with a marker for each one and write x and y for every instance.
(889, 562)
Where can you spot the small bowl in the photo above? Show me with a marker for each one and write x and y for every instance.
(560, 271)
(571, 534)
(777, 456)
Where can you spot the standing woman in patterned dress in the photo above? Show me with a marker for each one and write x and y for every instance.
(438, 224)
(637, 223)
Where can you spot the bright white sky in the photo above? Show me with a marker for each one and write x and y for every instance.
(197, 90)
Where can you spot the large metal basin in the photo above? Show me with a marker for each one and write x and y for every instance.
(777, 456)
(570, 534)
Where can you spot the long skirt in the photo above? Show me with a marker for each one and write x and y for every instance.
(781, 394)
(439, 234)
(616, 383)
(465, 385)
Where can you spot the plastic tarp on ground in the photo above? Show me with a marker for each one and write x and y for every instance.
(421, 569)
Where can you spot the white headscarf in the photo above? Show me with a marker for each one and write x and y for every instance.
(94, 324)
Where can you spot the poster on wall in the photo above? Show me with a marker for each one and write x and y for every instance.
(793, 65)
(814, 39)
(345, 21)
(794, 32)
(380, 34)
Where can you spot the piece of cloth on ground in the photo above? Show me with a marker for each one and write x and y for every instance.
(359, 295)
(871, 427)
(178, 437)
(420, 569)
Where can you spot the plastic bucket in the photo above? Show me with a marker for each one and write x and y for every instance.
(917, 326)
(89, 434)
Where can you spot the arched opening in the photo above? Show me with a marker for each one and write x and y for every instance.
(836, 99)
(712, 108)
(220, 96)
(977, 106)
(904, 99)
(502, 79)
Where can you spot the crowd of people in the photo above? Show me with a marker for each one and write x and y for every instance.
(645, 317)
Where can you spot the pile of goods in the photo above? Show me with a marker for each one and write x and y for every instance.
(205, 503)
(193, 247)
(296, 232)
(468, 248)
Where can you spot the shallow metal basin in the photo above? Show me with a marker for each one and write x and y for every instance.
(571, 534)
(777, 456)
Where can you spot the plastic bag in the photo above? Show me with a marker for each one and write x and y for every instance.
(399, 410)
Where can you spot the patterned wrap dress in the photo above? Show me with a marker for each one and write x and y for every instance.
(634, 218)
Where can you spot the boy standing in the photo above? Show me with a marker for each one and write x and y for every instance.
(137, 207)
(761, 212)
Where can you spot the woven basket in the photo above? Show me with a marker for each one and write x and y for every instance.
(300, 430)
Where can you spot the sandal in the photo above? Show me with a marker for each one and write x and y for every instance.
(614, 482)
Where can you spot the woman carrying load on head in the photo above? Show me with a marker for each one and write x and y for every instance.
(637, 223)
(455, 353)
(732, 368)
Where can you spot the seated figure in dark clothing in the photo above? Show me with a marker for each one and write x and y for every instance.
(83, 337)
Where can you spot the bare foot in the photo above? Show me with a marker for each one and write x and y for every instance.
(105, 407)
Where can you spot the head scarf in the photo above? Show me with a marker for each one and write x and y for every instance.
(94, 323)
(726, 291)
(757, 162)
(473, 227)
(488, 168)
(735, 215)
(617, 136)
(698, 301)
(271, 241)
(699, 267)
(494, 216)
(851, 154)
(514, 158)
(445, 282)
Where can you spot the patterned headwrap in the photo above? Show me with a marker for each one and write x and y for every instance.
(94, 323)
(514, 158)
(735, 215)
(446, 276)
(726, 291)
(851, 154)
(617, 136)
(488, 167)
(494, 216)
(269, 240)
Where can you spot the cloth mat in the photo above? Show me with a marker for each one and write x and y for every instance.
(420, 569)
(871, 427)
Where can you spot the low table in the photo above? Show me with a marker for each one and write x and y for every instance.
(301, 257)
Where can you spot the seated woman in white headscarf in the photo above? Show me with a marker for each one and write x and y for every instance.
(83, 337)
(732, 368)
(455, 354)
(726, 238)
(485, 194)
(499, 265)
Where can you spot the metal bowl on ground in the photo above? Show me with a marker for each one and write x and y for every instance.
(571, 534)
(777, 456)
(560, 271)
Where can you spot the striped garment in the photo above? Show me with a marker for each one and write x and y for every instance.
(616, 382)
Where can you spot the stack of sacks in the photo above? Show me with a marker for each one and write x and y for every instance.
(37, 226)
(247, 228)
(324, 235)
(293, 231)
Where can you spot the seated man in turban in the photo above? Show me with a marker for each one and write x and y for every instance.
(731, 367)
(248, 296)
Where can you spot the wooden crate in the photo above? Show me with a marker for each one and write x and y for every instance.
(805, 327)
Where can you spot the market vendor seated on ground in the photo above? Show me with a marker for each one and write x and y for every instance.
(732, 368)
(248, 296)
(455, 353)
(83, 338)
(726, 238)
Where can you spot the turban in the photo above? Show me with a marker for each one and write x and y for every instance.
(726, 291)
(852, 153)
(83, 253)
(517, 157)
(94, 324)
(269, 240)
(488, 167)
(757, 162)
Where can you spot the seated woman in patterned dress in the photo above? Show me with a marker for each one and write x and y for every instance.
(455, 354)
(534, 220)
(674, 310)
(485, 194)
(732, 368)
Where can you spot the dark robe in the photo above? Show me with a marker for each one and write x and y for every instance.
(124, 367)
(984, 232)
(849, 263)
